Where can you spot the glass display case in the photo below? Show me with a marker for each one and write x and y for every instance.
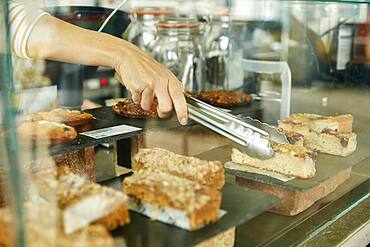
(70, 140)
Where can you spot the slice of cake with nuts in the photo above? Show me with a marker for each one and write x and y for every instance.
(210, 173)
(172, 199)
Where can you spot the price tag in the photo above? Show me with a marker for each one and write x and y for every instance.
(111, 131)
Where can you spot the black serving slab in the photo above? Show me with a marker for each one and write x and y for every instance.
(326, 166)
(105, 117)
(241, 204)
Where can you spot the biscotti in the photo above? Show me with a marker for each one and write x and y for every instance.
(83, 202)
(287, 160)
(46, 132)
(210, 173)
(330, 135)
(59, 115)
(340, 123)
(183, 202)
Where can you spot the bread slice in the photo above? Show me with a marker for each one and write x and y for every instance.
(83, 202)
(46, 132)
(185, 202)
(287, 159)
(59, 115)
(326, 141)
(210, 173)
(340, 123)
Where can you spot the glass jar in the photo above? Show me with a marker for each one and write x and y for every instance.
(217, 45)
(142, 30)
(179, 47)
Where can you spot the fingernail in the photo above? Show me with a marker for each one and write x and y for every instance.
(183, 121)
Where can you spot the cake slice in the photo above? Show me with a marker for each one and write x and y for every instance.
(326, 141)
(210, 173)
(340, 123)
(59, 115)
(287, 159)
(294, 138)
(169, 198)
(83, 202)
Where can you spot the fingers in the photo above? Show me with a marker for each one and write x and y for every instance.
(136, 94)
(147, 99)
(177, 95)
(136, 97)
(164, 100)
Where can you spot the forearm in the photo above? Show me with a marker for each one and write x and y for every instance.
(55, 39)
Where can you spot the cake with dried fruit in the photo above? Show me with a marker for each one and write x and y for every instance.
(340, 123)
(210, 173)
(326, 135)
(287, 159)
(185, 203)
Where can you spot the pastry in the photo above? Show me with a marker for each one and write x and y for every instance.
(287, 159)
(59, 115)
(187, 203)
(46, 131)
(225, 98)
(210, 173)
(127, 108)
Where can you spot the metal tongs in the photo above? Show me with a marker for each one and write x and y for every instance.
(249, 134)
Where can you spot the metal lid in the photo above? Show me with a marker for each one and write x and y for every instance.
(152, 11)
(179, 24)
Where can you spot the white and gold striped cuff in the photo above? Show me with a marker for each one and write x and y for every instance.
(22, 19)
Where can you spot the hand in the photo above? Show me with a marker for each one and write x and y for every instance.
(145, 78)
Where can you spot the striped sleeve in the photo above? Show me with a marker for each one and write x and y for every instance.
(22, 19)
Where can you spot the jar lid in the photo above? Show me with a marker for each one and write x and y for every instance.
(179, 23)
(153, 11)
